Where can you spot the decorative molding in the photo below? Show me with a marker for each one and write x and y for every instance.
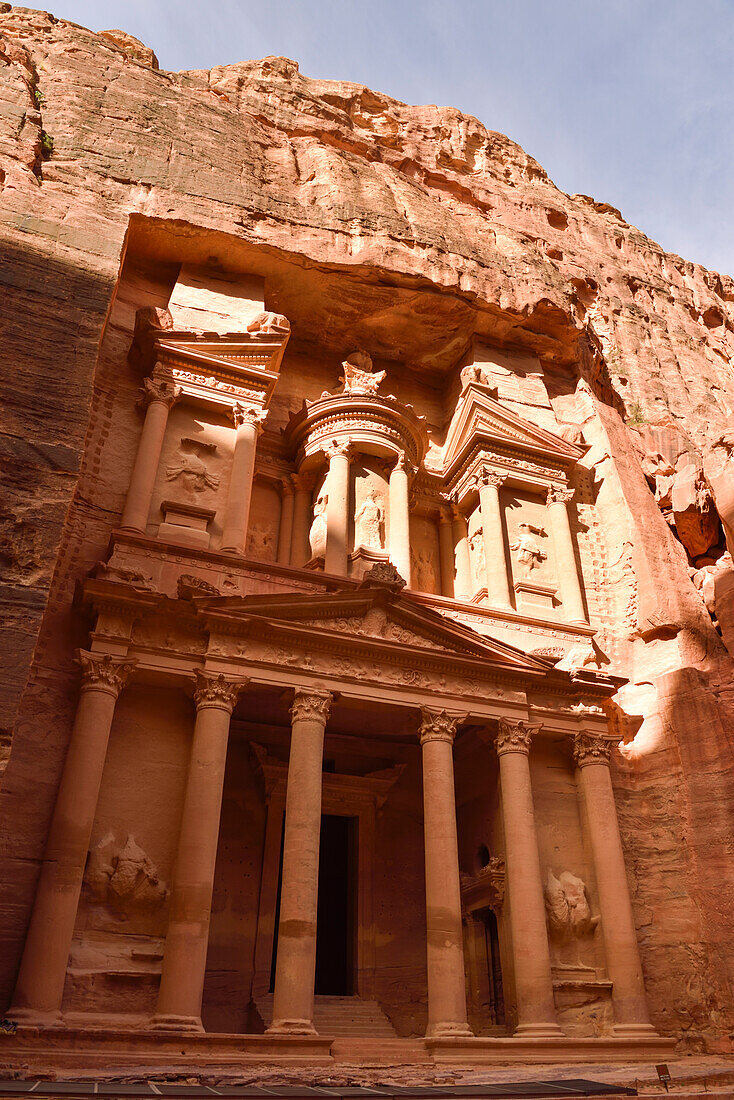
(591, 748)
(311, 706)
(514, 737)
(438, 725)
(103, 672)
(215, 690)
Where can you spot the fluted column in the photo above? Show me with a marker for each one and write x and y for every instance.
(446, 553)
(187, 938)
(337, 508)
(591, 754)
(248, 424)
(302, 508)
(295, 967)
(565, 559)
(444, 936)
(463, 584)
(159, 394)
(536, 1012)
(398, 492)
(40, 985)
(285, 530)
(498, 584)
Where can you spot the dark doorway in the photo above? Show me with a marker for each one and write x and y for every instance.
(335, 928)
(496, 992)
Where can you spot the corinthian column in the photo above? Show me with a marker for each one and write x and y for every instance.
(285, 530)
(40, 984)
(248, 424)
(565, 560)
(591, 754)
(337, 508)
(187, 939)
(446, 553)
(498, 585)
(444, 937)
(536, 1012)
(295, 966)
(159, 394)
(463, 585)
(400, 517)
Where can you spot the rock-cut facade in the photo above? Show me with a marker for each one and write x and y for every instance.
(368, 596)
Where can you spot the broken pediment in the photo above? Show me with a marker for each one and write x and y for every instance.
(481, 418)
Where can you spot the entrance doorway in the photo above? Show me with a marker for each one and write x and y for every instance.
(335, 925)
(494, 968)
(337, 906)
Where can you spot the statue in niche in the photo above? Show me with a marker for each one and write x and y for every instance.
(368, 523)
(317, 534)
(189, 466)
(358, 377)
(567, 907)
(424, 575)
(477, 558)
(529, 553)
(123, 877)
(260, 543)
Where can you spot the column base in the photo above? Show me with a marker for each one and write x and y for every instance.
(538, 1031)
(34, 1017)
(291, 1027)
(634, 1031)
(169, 1022)
(449, 1030)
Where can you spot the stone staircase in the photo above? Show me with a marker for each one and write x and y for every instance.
(342, 1017)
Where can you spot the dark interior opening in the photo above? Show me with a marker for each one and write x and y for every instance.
(335, 927)
(496, 992)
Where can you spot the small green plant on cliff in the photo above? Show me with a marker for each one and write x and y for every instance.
(636, 415)
(38, 97)
(47, 145)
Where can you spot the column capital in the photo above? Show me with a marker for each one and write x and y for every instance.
(161, 388)
(215, 690)
(487, 476)
(103, 672)
(402, 462)
(559, 494)
(303, 482)
(591, 748)
(248, 414)
(287, 485)
(514, 737)
(338, 447)
(311, 706)
(438, 725)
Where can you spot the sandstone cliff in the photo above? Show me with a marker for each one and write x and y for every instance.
(427, 213)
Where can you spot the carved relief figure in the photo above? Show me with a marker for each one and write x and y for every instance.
(529, 552)
(123, 876)
(567, 907)
(260, 542)
(478, 375)
(424, 574)
(478, 560)
(368, 523)
(317, 534)
(190, 468)
(358, 377)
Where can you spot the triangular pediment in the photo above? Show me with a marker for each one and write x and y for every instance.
(371, 614)
(479, 416)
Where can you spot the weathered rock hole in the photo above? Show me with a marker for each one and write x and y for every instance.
(557, 219)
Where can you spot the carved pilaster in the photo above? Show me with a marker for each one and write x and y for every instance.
(217, 691)
(311, 706)
(438, 725)
(514, 737)
(590, 748)
(103, 672)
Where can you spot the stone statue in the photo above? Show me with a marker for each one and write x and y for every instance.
(529, 553)
(260, 543)
(368, 523)
(358, 378)
(269, 324)
(189, 466)
(478, 560)
(123, 876)
(424, 575)
(317, 534)
(567, 907)
(477, 375)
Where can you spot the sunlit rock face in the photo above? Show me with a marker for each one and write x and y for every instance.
(452, 369)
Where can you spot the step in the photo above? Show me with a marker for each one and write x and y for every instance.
(344, 1017)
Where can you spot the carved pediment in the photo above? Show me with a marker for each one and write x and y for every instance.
(370, 614)
(480, 417)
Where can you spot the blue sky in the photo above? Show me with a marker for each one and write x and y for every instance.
(630, 101)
